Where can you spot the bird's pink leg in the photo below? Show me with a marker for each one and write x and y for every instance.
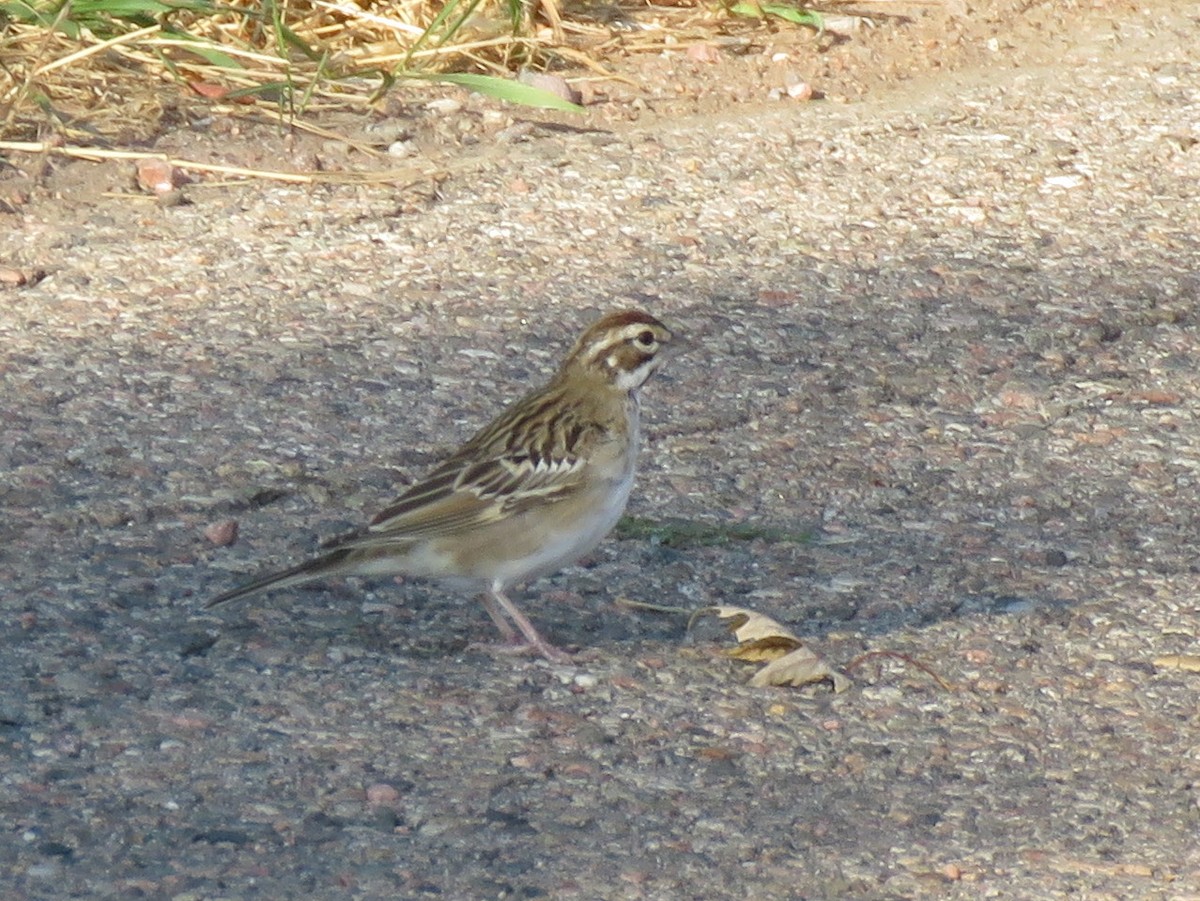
(497, 605)
(497, 615)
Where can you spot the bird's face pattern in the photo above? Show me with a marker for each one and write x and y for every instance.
(623, 349)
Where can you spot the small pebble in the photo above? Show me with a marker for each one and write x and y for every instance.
(554, 84)
(801, 90)
(382, 793)
(445, 106)
(157, 176)
(402, 149)
(703, 53)
(222, 534)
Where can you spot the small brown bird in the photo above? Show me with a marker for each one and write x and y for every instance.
(533, 491)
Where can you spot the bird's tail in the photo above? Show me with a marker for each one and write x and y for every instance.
(328, 565)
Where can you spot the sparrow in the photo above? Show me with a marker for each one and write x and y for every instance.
(531, 492)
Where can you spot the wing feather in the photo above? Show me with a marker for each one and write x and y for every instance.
(487, 481)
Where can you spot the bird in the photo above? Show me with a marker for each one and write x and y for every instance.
(533, 491)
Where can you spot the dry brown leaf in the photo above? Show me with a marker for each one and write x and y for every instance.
(19, 278)
(761, 638)
(1189, 663)
(761, 649)
(800, 667)
(748, 625)
(219, 93)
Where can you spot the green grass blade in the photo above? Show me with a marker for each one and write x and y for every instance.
(679, 533)
(271, 91)
(119, 9)
(54, 17)
(205, 49)
(294, 40)
(804, 17)
(502, 89)
(25, 13)
(387, 80)
(439, 35)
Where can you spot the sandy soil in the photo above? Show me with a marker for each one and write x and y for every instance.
(942, 403)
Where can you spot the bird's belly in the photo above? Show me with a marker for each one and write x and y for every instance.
(545, 539)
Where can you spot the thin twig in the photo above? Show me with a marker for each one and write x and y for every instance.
(631, 604)
(912, 661)
(95, 154)
(83, 54)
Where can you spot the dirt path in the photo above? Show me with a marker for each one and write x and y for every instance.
(947, 362)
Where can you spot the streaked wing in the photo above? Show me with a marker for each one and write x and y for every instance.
(474, 494)
(511, 481)
(467, 492)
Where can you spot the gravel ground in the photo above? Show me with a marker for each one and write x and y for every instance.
(947, 364)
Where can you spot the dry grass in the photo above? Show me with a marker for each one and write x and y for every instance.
(113, 74)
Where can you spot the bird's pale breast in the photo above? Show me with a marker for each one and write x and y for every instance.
(547, 537)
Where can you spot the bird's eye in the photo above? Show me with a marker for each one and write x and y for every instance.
(646, 338)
